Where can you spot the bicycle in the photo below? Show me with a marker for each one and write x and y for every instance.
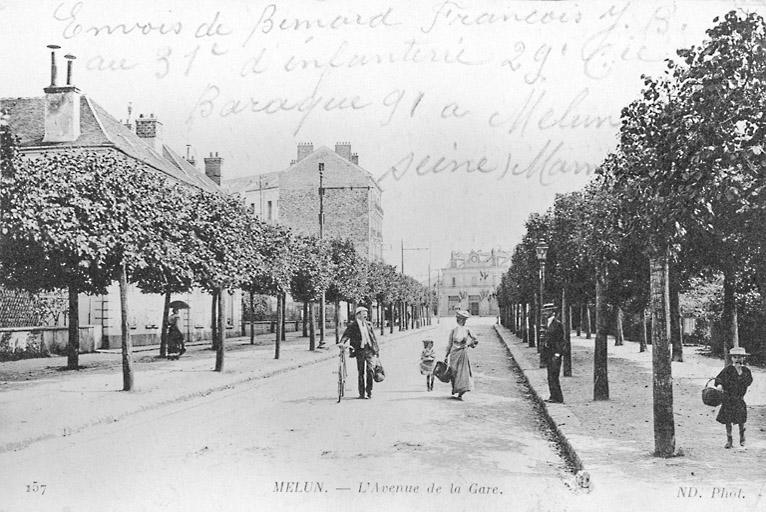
(342, 374)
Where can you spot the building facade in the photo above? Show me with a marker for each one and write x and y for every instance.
(351, 204)
(64, 120)
(470, 281)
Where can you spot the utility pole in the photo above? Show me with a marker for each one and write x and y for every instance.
(429, 265)
(321, 236)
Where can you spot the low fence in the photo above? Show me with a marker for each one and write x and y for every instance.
(26, 342)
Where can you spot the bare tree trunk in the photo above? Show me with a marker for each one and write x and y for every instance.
(579, 320)
(278, 339)
(525, 324)
(73, 346)
(127, 349)
(221, 333)
(664, 423)
(214, 319)
(283, 331)
(644, 338)
(382, 316)
(729, 315)
(164, 326)
(337, 321)
(533, 314)
(305, 320)
(312, 327)
(252, 318)
(391, 310)
(600, 370)
(676, 339)
(588, 326)
(566, 317)
(619, 337)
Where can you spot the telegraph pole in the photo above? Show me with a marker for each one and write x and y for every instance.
(321, 236)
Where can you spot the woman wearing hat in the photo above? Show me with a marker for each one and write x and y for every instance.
(460, 338)
(734, 381)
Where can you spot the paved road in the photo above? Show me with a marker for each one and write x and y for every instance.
(251, 447)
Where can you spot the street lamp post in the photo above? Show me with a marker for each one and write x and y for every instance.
(542, 254)
(429, 270)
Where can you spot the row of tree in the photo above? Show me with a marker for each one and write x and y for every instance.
(80, 220)
(683, 195)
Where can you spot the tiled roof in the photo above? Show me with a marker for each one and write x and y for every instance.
(249, 183)
(98, 129)
(271, 179)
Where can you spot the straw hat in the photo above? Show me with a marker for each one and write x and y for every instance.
(738, 351)
(360, 309)
(462, 314)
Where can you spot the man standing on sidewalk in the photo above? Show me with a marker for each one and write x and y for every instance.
(554, 347)
(364, 346)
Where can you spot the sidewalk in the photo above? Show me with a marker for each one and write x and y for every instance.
(39, 400)
(614, 439)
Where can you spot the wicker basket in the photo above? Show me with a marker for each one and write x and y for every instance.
(711, 396)
(442, 371)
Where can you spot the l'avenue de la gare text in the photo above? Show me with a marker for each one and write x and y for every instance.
(368, 487)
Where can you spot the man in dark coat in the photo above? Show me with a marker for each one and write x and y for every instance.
(554, 347)
(364, 346)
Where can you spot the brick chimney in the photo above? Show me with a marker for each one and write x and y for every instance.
(62, 105)
(343, 149)
(304, 150)
(213, 167)
(150, 129)
(355, 158)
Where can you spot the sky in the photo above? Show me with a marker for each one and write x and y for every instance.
(471, 115)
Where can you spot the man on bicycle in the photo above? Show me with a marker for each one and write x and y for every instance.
(364, 346)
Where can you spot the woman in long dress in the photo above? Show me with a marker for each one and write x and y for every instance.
(460, 339)
(175, 336)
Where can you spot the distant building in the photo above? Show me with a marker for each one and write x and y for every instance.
(65, 120)
(470, 281)
(291, 197)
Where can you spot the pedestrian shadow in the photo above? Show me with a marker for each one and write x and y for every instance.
(429, 397)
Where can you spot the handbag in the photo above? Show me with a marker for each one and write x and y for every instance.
(442, 371)
(711, 396)
(378, 373)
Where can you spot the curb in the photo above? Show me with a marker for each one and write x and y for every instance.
(66, 431)
(558, 431)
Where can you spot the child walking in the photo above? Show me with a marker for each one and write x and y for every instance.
(427, 362)
(734, 381)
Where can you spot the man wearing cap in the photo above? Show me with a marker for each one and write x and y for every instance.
(364, 346)
(554, 346)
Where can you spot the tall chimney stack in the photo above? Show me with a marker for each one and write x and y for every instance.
(304, 150)
(213, 167)
(62, 105)
(355, 158)
(150, 129)
(343, 149)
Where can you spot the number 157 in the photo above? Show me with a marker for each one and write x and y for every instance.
(36, 487)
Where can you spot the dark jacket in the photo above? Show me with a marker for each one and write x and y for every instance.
(733, 409)
(354, 336)
(554, 338)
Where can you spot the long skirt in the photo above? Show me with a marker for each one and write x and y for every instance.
(462, 377)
